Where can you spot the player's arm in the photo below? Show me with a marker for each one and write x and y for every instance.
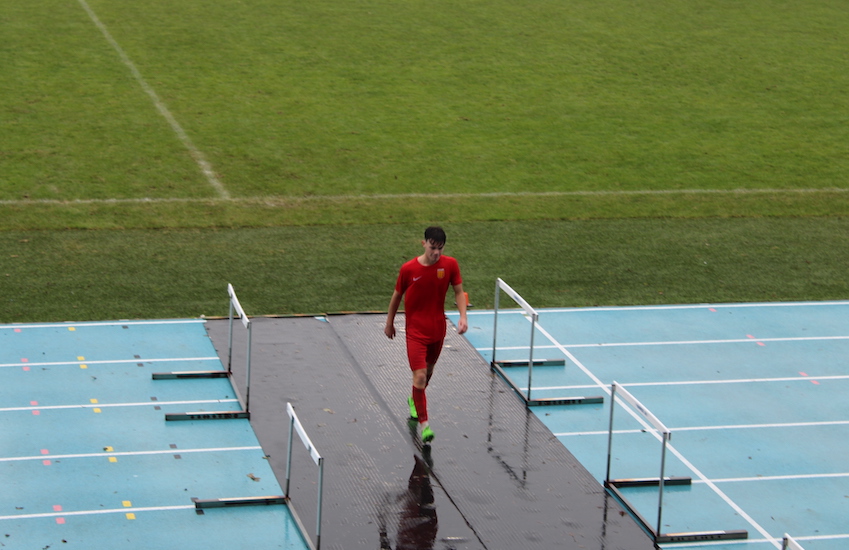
(460, 299)
(394, 304)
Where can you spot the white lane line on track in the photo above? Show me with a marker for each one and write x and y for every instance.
(723, 428)
(196, 154)
(680, 342)
(84, 324)
(131, 453)
(747, 543)
(779, 478)
(114, 405)
(809, 378)
(671, 448)
(98, 512)
(109, 362)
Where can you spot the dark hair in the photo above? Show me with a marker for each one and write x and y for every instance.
(436, 234)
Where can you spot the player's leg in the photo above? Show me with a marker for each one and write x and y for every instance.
(431, 356)
(417, 353)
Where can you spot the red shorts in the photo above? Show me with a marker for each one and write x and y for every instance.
(422, 353)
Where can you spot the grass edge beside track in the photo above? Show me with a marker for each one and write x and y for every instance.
(82, 275)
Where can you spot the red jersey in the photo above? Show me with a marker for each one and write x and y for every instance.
(424, 288)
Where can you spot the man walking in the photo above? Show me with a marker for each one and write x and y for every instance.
(423, 283)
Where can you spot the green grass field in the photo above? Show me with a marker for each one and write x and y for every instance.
(586, 153)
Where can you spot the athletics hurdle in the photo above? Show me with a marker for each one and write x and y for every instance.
(614, 485)
(295, 426)
(499, 366)
(235, 307)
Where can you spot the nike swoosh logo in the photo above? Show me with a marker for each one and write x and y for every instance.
(416, 279)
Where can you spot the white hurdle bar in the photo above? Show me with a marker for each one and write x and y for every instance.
(236, 307)
(531, 312)
(295, 426)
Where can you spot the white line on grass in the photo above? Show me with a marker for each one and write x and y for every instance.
(199, 157)
(343, 198)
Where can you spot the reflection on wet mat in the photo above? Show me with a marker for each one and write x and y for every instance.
(495, 476)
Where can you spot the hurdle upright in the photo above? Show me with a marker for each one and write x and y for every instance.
(235, 310)
(296, 427)
(236, 307)
(789, 543)
(615, 485)
(499, 366)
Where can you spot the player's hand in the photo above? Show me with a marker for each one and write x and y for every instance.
(462, 326)
(389, 331)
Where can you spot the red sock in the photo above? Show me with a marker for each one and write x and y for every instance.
(420, 400)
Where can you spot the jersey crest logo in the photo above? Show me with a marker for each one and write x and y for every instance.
(440, 273)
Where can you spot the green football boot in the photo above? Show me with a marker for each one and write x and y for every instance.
(427, 435)
(413, 414)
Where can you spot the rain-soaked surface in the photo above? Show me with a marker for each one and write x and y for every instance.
(494, 477)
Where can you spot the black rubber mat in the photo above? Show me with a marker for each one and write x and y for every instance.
(495, 476)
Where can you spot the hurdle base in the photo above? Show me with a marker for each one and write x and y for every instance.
(537, 362)
(234, 502)
(577, 400)
(190, 375)
(212, 415)
(613, 486)
(649, 482)
(738, 534)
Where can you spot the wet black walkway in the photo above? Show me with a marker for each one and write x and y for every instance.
(496, 477)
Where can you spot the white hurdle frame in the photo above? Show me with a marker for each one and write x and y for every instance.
(531, 312)
(613, 485)
(500, 286)
(666, 434)
(236, 307)
(295, 426)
